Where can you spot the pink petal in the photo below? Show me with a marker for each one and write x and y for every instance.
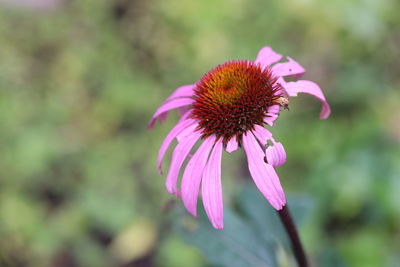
(311, 88)
(232, 145)
(182, 135)
(270, 120)
(262, 134)
(185, 116)
(267, 56)
(166, 106)
(183, 91)
(192, 176)
(262, 173)
(276, 154)
(275, 109)
(180, 153)
(162, 117)
(290, 68)
(183, 110)
(272, 114)
(211, 188)
(167, 141)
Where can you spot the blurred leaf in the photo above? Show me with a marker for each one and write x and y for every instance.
(263, 218)
(174, 252)
(235, 246)
(253, 234)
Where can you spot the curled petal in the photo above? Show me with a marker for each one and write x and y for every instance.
(162, 117)
(276, 154)
(272, 114)
(232, 145)
(211, 188)
(267, 56)
(263, 174)
(262, 134)
(274, 109)
(290, 68)
(180, 153)
(167, 106)
(192, 176)
(311, 88)
(270, 119)
(171, 135)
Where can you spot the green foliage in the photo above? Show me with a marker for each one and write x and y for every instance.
(252, 235)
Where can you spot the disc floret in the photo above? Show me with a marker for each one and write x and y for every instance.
(234, 97)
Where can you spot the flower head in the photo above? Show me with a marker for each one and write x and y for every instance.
(232, 98)
(228, 106)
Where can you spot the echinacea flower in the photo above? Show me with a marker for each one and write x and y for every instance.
(227, 108)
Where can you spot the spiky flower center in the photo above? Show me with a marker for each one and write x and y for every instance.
(233, 97)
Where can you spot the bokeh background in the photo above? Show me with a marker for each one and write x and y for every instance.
(79, 81)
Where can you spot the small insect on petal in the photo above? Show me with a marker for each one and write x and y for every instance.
(283, 102)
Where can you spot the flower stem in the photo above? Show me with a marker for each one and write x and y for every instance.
(291, 230)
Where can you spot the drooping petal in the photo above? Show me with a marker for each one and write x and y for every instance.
(182, 135)
(183, 110)
(180, 153)
(163, 117)
(186, 115)
(267, 56)
(263, 174)
(211, 188)
(290, 68)
(276, 154)
(262, 134)
(179, 127)
(167, 106)
(272, 114)
(183, 91)
(232, 145)
(311, 88)
(192, 176)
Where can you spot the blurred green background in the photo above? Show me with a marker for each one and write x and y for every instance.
(79, 81)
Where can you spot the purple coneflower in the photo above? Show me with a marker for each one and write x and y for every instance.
(227, 108)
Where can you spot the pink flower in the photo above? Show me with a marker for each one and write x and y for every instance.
(229, 106)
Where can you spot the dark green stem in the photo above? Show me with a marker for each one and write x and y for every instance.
(291, 230)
